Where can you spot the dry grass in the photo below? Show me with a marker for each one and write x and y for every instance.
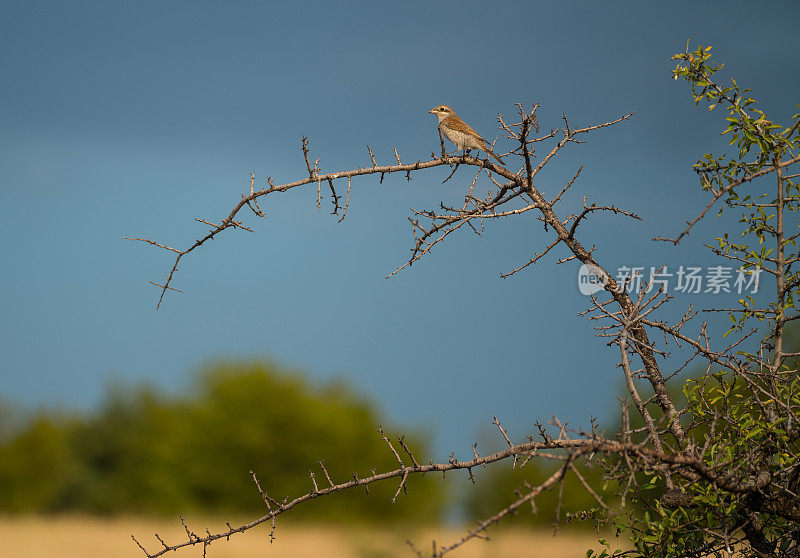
(84, 537)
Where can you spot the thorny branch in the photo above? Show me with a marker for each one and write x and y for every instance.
(576, 448)
(663, 443)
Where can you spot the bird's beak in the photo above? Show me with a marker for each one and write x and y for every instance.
(431, 111)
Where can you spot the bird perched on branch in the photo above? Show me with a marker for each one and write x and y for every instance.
(459, 132)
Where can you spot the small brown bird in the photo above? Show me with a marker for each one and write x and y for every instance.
(459, 132)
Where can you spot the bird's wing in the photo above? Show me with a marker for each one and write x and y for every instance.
(459, 125)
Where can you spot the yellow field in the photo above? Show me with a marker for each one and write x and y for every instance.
(83, 537)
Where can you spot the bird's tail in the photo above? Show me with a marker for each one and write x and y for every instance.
(492, 153)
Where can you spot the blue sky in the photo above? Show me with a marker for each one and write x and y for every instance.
(131, 119)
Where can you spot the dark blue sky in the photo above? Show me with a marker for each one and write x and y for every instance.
(131, 119)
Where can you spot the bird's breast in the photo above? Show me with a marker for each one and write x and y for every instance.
(461, 139)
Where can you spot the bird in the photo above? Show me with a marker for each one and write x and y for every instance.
(459, 132)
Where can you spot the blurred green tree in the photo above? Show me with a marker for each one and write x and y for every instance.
(143, 452)
(35, 464)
